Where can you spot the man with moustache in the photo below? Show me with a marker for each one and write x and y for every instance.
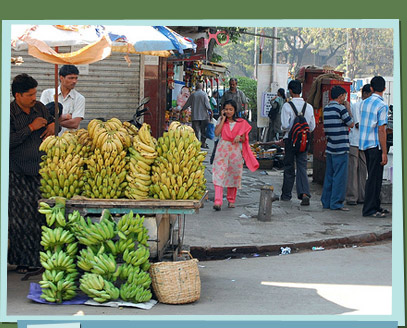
(30, 124)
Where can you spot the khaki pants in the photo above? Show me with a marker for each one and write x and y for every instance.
(357, 173)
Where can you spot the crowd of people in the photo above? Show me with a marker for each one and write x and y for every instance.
(355, 154)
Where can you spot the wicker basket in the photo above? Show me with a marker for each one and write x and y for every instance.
(176, 282)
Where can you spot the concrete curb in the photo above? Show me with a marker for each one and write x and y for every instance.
(220, 253)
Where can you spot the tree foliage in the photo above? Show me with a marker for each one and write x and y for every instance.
(360, 51)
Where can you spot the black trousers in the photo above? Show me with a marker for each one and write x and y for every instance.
(374, 181)
(200, 130)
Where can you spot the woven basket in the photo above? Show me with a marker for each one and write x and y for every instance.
(176, 282)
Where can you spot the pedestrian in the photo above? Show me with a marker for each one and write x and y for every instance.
(274, 131)
(357, 170)
(30, 124)
(238, 96)
(337, 121)
(214, 104)
(300, 159)
(232, 149)
(73, 102)
(201, 113)
(373, 122)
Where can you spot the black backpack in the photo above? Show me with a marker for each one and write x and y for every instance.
(299, 134)
(275, 106)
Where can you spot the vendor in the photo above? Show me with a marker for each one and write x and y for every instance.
(30, 124)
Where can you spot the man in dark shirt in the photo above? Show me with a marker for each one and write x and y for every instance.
(30, 124)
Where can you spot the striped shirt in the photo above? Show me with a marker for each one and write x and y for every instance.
(373, 114)
(336, 122)
(25, 157)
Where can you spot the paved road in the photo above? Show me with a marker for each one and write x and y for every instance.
(330, 282)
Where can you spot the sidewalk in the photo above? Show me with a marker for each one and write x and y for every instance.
(231, 231)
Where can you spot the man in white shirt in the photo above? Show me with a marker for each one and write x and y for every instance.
(287, 120)
(357, 169)
(72, 101)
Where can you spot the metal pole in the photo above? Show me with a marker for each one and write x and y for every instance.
(274, 56)
(56, 98)
(255, 55)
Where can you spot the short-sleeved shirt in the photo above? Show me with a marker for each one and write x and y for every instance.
(288, 115)
(237, 96)
(373, 114)
(336, 128)
(73, 103)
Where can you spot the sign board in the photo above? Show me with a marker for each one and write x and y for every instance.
(266, 103)
(151, 60)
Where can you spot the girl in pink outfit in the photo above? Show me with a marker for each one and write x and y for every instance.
(232, 149)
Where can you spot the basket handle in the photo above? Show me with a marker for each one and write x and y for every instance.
(188, 253)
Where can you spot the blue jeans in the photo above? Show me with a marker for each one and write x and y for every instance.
(336, 174)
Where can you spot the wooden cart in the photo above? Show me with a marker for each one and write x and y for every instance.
(165, 219)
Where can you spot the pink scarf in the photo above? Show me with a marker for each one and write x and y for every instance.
(242, 127)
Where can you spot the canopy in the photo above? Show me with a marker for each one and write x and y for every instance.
(99, 41)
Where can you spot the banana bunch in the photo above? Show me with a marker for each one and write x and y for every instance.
(137, 257)
(109, 135)
(58, 286)
(178, 171)
(105, 174)
(100, 263)
(135, 294)
(59, 261)
(61, 168)
(94, 233)
(141, 157)
(53, 215)
(54, 239)
(131, 128)
(85, 140)
(101, 290)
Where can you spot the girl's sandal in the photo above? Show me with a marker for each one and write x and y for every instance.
(231, 205)
(217, 207)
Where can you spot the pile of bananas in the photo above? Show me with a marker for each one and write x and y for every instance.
(84, 139)
(58, 257)
(109, 135)
(178, 172)
(131, 227)
(141, 157)
(61, 168)
(106, 167)
(136, 287)
(131, 128)
(94, 233)
(54, 214)
(57, 286)
(101, 263)
(101, 290)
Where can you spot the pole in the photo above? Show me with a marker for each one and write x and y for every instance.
(255, 54)
(274, 55)
(56, 98)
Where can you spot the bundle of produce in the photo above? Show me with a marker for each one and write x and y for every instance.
(178, 172)
(84, 139)
(101, 290)
(58, 257)
(141, 157)
(131, 128)
(108, 263)
(62, 166)
(105, 168)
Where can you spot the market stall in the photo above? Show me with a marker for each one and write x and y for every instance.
(182, 77)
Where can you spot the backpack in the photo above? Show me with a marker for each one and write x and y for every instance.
(272, 114)
(299, 134)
